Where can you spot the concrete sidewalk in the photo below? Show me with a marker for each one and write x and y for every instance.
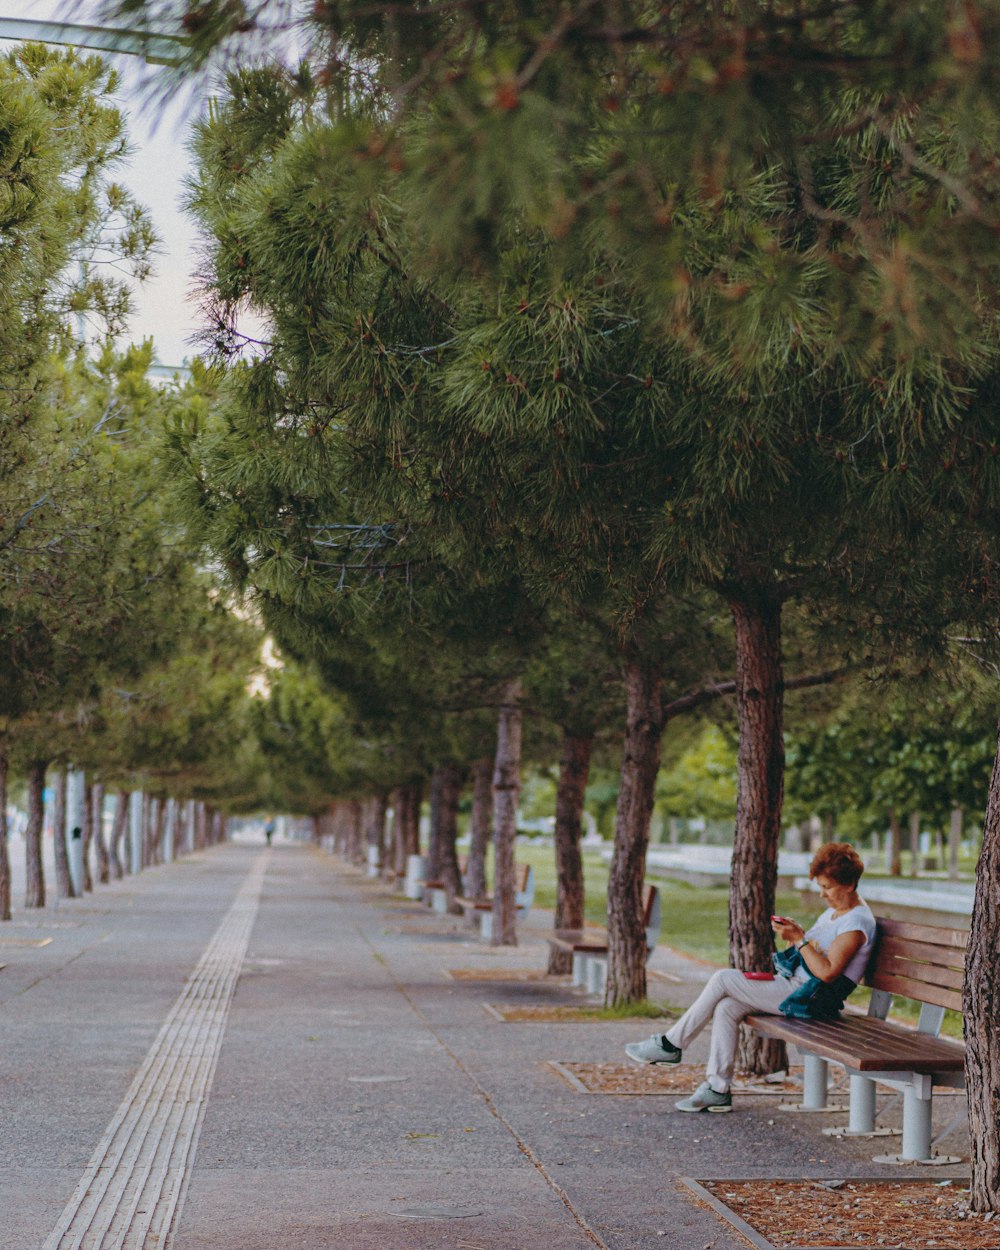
(359, 1096)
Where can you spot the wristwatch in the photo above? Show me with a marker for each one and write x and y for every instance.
(799, 945)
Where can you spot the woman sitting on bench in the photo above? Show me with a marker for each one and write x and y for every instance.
(831, 960)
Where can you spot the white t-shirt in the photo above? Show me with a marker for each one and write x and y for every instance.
(858, 920)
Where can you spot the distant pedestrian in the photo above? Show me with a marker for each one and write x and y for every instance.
(820, 967)
(269, 831)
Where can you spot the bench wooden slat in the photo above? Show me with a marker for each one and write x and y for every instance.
(919, 991)
(940, 956)
(933, 935)
(486, 902)
(594, 940)
(865, 1044)
(930, 974)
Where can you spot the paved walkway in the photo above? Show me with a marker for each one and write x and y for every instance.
(262, 1050)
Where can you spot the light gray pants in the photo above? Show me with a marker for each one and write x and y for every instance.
(725, 1000)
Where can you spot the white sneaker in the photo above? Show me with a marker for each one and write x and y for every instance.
(705, 1098)
(655, 1049)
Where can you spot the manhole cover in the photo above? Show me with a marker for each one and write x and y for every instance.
(437, 1213)
(375, 1080)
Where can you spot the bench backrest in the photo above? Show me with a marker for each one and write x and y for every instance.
(524, 885)
(919, 961)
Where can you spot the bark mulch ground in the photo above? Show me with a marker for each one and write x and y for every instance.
(681, 1078)
(504, 974)
(872, 1215)
(513, 1013)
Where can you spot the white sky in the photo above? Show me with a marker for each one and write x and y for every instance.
(164, 310)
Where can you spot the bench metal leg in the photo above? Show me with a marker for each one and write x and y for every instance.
(486, 926)
(861, 1120)
(916, 1145)
(862, 1115)
(815, 1078)
(597, 978)
(580, 970)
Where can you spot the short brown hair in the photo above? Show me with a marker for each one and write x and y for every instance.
(839, 861)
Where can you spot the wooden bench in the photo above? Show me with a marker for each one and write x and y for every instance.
(589, 946)
(924, 963)
(482, 908)
(436, 892)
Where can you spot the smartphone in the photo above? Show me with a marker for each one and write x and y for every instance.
(759, 976)
(780, 920)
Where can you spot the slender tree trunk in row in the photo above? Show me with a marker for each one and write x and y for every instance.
(356, 833)
(317, 835)
(434, 832)
(955, 841)
(396, 867)
(159, 829)
(914, 843)
(451, 793)
(506, 792)
(644, 723)
(87, 831)
(34, 891)
(148, 825)
(375, 822)
(894, 848)
(100, 846)
(4, 850)
(338, 829)
(480, 828)
(118, 828)
(201, 826)
(981, 1011)
(760, 691)
(415, 801)
(574, 768)
(64, 882)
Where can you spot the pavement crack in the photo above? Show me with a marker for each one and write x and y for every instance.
(523, 1146)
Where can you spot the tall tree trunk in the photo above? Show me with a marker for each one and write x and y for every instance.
(34, 891)
(446, 789)
(375, 821)
(118, 828)
(451, 793)
(480, 828)
(644, 722)
(981, 1011)
(955, 841)
(356, 832)
(434, 832)
(100, 845)
(506, 792)
(159, 829)
(4, 850)
(574, 768)
(894, 850)
(760, 691)
(64, 882)
(414, 803)
(397, 869)
(87, 831)
(148, 824)
(914, 843)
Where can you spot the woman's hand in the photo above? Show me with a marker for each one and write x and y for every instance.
(789, 931)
